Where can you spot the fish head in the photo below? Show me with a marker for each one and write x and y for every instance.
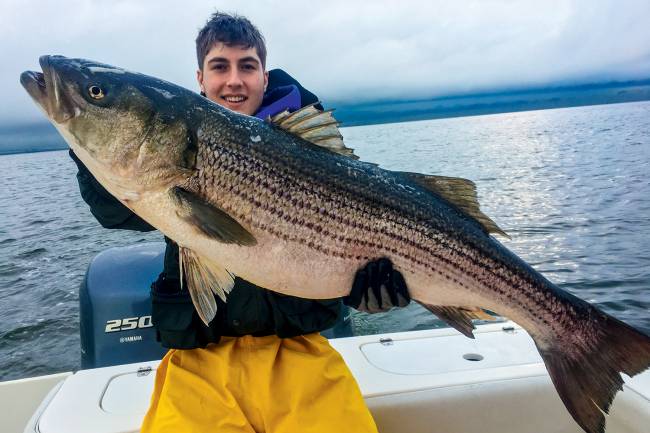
(116, 121)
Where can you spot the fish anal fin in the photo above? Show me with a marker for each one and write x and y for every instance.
(209, 219)
(481, 314)
(460, 318)
(459, 192)
(315, 126)
(457, 317)
(204, 280)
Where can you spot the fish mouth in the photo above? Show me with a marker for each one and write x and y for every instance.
(34, 83)
(48, 91)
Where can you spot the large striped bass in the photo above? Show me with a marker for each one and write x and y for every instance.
(282, 204)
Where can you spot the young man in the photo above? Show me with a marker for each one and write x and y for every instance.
(260, 365)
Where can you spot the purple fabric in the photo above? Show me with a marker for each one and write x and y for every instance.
(279, 99)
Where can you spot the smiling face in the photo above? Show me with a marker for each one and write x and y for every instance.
(234, 77)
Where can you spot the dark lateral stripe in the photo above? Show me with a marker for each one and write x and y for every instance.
(299, 203)
(262, 178)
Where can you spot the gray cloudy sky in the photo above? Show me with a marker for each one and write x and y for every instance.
(343, 50)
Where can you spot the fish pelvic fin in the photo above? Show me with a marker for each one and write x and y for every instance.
(459, 192)
(204, 280)
(588, 376)
(460, 318)
(315, 126)
(208, 219)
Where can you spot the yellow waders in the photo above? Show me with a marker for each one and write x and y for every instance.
(257, 384)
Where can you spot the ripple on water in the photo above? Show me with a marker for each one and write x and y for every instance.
(25, 332)
(40, 222)
(31, 253)
(10, 269)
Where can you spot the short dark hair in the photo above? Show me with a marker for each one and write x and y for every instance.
(231, 30)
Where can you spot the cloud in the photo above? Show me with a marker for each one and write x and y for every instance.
(342, 50)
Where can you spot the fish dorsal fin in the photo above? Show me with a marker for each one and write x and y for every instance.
(315, 126)
(460, 318)
(461, 193)
(204, 279)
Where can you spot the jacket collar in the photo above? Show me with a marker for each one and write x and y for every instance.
(279, 99)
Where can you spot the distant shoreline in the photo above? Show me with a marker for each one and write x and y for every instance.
(32, 151)
(43, 137)
(431, 116)
(493, 103)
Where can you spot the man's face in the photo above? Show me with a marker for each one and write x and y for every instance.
(234, 77)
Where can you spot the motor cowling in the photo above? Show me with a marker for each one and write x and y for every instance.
(115, 306)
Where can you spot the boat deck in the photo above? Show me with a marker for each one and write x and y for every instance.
(415, 382)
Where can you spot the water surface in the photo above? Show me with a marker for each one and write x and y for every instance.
(569, 185)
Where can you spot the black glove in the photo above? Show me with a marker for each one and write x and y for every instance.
(377, 288)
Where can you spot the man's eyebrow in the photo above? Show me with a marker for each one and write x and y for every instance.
(218, 60)
(248, 59)
(225, 60)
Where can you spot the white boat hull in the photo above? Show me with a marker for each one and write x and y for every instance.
(415, 382)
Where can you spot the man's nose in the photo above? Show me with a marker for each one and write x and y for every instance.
(234, 79)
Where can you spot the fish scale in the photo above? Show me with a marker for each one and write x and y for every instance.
(265, 162)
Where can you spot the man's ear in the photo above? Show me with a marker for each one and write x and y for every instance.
(199, 78)
(266, 79)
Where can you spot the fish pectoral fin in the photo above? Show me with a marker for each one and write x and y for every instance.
(204, 280)
(459, 318)
(315, 126)
(459, 192)
(209, 219)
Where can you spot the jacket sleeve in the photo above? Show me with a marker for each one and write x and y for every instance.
(105, 208)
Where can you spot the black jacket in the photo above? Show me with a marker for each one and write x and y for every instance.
(250, 309)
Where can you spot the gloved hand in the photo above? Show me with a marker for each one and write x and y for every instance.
(377, 288)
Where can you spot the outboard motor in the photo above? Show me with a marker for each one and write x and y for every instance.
(115, 307)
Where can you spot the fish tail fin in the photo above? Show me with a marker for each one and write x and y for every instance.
(588, 375)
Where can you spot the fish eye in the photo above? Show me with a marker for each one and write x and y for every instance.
(96, 92)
